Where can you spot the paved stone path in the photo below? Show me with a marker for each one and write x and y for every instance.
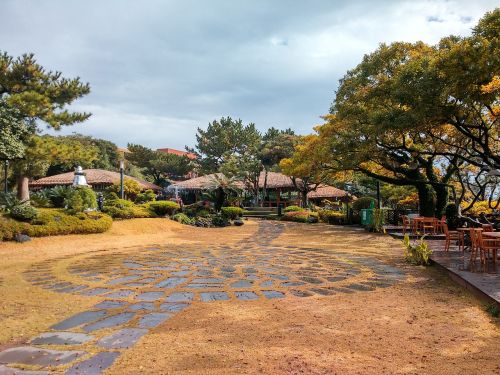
(145, 287)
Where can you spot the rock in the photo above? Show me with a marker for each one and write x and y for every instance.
(312, 220)
(238, 223)
(22, 238)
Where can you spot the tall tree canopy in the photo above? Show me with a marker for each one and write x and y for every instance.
(158, 166)
(43, 151)
(14, 132)
(38, 96)
(419, 115)
(223, 139)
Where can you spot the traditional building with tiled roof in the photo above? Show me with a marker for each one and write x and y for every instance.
(98, 179)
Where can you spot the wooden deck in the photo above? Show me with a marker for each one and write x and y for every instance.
(483, 281)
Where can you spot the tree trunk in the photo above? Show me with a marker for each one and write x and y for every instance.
(23, 192)
(264, 188)
(304, 198)
(441, 199)
(426, 200)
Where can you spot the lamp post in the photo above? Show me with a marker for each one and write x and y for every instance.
(6, 170)
(378, 194)
(122, 166)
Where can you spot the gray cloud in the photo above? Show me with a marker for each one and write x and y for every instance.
(159, 69)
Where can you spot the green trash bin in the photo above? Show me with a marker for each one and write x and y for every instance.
(367, 216)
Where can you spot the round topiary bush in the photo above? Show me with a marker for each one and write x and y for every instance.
(232, 213)
(79, 199)
(162, 208)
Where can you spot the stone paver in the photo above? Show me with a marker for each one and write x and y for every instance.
(144, 289)
(29, 355)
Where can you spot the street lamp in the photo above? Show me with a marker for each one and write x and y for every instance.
(122, 166)
(6, 170)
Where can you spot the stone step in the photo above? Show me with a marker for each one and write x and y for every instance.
(29, 355)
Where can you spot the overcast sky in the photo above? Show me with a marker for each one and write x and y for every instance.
(160, 69)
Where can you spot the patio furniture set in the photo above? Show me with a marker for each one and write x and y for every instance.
(484, 242)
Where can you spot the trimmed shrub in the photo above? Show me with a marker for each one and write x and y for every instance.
(80, 199)
(23, 212)
(220, 220)
(51, 222)
(162, 208)
(124, 209)
(363, 202)
(232, 212)
(203, 213)
(300, 216)
(146, 196)
(183, 219)
(294, 209)
(331, 217)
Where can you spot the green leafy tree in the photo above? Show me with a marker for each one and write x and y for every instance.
(276, 145)
(38, 95)
(223, 139)
(14, 132)
(42, 151)
(158, 166)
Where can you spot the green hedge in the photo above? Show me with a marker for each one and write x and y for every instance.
(162, 208)
(331, 217)
(51, 222)
(300, 216)
(294, 209)
(232, 212)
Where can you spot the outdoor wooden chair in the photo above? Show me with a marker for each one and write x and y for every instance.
(474, 234)
(488, 244)
(450, 236)
(487, 227)
(429, 223)
(406, 224)
(439, 224)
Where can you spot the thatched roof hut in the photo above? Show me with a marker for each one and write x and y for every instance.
(99, 179)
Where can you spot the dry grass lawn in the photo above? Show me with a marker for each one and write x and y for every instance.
(422, 325)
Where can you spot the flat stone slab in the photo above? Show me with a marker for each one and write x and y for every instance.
(142, 306)
(95, 291)
(4, 370)
(79, 319)
(120, 294)
(110, 304)
(110, 321)
(171, 282)
(150, 296)
(29, 355)
(153, 320)
(61, 338)
(180, 297)
(122, 339)
(272, 294)
(94, 365)
(214, 296)
(246, 296)
(173, 307)
(242, 284)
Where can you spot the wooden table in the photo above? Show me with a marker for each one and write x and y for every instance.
(492, 234)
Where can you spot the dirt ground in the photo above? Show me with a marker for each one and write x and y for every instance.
(418, 323)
